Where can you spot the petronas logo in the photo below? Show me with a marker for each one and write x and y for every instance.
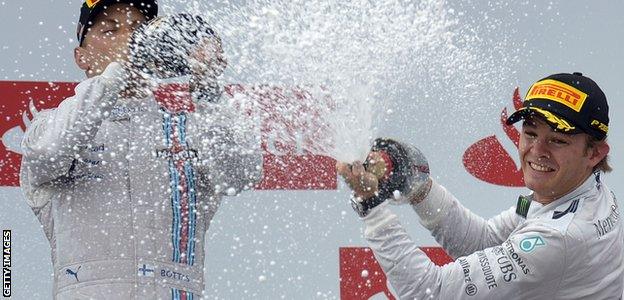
(522, 208)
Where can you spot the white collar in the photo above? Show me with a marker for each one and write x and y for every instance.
(588, 187)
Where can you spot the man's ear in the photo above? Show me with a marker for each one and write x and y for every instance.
(599, 151)
(81, 56)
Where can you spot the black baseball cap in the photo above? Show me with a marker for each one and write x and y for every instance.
(570, 103)
(91, 8)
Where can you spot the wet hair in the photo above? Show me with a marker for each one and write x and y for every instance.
(603, 165)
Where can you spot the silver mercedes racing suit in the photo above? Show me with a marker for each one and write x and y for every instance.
(571, 248)
(125, 190)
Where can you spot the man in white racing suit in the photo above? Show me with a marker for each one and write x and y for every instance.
(563, 241)
(125, 189)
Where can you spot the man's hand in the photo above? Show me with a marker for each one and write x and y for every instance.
(207, 59)
(392, 171)
(206, 63)
(363, 183)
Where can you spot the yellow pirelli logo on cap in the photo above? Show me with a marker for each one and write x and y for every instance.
(559, 92)
(92, 3)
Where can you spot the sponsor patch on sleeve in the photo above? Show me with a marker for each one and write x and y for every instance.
(528, 244)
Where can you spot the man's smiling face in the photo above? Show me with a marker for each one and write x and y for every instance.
(553, 163)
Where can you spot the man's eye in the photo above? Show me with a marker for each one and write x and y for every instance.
(530, 134)
(558, 142)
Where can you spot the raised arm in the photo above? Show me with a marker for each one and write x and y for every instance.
(400, 173)
(457, 229)
(56, 136)
(527, 265)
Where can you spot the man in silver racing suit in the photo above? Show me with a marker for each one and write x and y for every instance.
(124, 188)
(563, 241)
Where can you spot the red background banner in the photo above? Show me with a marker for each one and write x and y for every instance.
(286, 165)
(286, 170)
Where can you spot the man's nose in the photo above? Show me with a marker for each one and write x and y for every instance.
(540, 148)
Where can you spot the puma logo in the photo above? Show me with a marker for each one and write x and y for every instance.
(68, 271)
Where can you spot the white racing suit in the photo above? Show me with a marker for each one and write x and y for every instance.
(568, 249)
(125, 191)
